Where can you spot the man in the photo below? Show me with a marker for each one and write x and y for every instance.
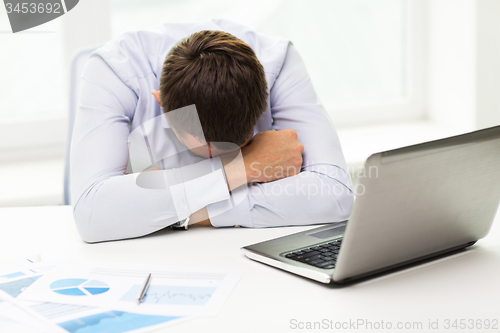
(247, 89)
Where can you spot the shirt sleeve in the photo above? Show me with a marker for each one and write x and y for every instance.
(322, 191)
(108, 204)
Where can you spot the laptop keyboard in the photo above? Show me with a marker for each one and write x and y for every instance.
(320, 255)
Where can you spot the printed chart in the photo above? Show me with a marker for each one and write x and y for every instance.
(174, 291)
(79, 287)
(14, 288)
(172, 295)
(113, 321)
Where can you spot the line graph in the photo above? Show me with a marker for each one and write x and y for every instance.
(113, 321)
(171, 295)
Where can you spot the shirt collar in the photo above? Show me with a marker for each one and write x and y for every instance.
(164, 121)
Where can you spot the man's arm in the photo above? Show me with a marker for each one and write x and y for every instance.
(272, 155)
(107, 203)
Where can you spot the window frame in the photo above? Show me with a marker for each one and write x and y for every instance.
(37, 136)
(406, 108)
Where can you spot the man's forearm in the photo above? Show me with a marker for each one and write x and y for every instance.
(234, 168)
(270, 156)
(236, 176)
(306, 198)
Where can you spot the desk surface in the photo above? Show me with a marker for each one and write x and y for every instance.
(463, 286)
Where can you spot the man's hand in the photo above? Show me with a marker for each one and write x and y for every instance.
(272, 155)
(200, 218)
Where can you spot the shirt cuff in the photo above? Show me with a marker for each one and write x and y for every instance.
(234, 211)
(192, 195)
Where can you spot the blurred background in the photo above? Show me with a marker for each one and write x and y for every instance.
(390, 72)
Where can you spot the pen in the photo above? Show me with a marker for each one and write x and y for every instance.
(144, 289)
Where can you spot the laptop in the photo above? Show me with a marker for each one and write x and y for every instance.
(426, 201)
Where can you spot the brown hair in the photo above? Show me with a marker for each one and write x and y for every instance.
(222, 76)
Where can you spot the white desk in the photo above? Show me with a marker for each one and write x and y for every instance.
(463, 286)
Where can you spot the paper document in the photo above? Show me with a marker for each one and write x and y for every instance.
(174, 291)
(15, 316)
(15, 278)
(36, 317)
(81, 319)
(14, 320)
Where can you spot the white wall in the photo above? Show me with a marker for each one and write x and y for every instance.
(488, 63)
(86, 24)
(464, 63)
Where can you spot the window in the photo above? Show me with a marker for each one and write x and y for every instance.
(33, 93)
(32, 81)
(355, 50)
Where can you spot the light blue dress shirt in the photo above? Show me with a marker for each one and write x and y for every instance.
(115, 99)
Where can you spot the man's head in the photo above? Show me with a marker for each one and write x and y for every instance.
(222, 76)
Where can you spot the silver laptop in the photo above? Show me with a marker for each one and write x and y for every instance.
(428, 200)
